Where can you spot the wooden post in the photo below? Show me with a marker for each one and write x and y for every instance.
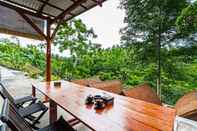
(52, 111)
(48, 52)
(33, 91)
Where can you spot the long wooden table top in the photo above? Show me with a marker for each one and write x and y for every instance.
(126, 114)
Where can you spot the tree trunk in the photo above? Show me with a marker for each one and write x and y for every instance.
(159, 53)
(159, 65)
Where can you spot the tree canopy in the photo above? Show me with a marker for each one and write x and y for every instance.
(187, 21)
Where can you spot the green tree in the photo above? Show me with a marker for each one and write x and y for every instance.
(75, 37)
(151, 22)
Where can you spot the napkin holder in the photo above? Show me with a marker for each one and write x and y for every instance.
(57, 84)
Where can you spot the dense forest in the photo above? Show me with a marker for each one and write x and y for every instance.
(158, 46)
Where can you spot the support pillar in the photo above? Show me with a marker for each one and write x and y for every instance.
(48, 52)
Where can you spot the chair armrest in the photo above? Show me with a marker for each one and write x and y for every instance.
(22, 100)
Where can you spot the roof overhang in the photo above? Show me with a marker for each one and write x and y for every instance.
(38, 12)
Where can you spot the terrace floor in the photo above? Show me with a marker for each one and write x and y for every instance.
(20, 85)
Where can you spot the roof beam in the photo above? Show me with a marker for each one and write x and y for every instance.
(51, 5)
(81, 5)
(99, 2)
(33, 25)
(29, 8)
(81, 12)
(62, 20)
(55, 30)
(7, 5)
(68, 10)
(43, 5)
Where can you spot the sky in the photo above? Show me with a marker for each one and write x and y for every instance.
(106, 22)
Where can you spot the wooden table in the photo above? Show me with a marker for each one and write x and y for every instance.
(127, 114)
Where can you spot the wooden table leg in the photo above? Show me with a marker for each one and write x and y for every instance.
(46, 99)
(52, 111)
(33, 91)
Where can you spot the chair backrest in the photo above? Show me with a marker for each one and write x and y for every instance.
(12, 118)
(5, 94)
(186, 106)
(143, 92)
(114, 86)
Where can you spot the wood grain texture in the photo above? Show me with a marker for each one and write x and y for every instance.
(127, 114)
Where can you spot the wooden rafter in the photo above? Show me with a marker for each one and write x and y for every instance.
(68, 10)
(81, 12)
(62, 20)
(55, 31)
(23, 10)
(98, 2)
(51, 5)
(81, 5)
(29, 8)
(31, 23)
(40, 14)
(42, 7)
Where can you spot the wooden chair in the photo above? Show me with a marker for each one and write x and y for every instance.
(86, 82)
(28, 111)
(20, 101)
(186, 106)
(114, 86)
(143, 92)
(15, 122)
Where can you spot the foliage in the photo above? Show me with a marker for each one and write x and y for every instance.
(75, 37)
(26, 59)
(147, 19)
(107, 64)
(187, 21)
(152, 33)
